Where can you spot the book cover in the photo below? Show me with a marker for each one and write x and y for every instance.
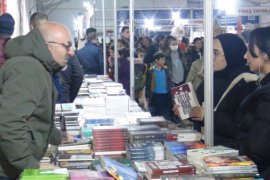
(42, 174)
(157, 168)
(88, 174)
(185, 97)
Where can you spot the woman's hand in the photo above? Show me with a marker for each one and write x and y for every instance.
(176, 109)
(197, 113)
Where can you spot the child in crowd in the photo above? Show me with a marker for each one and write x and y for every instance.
(140, 76)
(158, 86)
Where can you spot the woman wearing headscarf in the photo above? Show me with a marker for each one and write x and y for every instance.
(231, 85)
(254, 112)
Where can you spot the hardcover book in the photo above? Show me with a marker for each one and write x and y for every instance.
(185, 97)
(157, 168)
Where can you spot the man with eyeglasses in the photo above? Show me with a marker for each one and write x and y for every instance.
(27, 96)
(69, 80)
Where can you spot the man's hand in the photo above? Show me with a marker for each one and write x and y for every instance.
(197, 113)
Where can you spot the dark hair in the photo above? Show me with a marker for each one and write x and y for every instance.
(158, 55)
(261, 38)
(90, 30)
(167, 42)
(148, 39)
(123, 53)
(124, 28)
(140, 50)
(159, 38)
(196, 39)
(124, 42)
(36, 18)
(185, 40)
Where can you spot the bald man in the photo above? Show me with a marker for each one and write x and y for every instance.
(27, 96)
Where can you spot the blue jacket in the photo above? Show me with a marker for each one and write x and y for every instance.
(91, 59)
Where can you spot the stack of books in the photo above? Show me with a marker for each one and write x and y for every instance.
(230, 166)
(109, 140)
(195, 156)
(74, 156)
(145, 151)
(146, 136)
(175, 147)
(184, 135)
(158, 120)
(156, 169)
(117, 105)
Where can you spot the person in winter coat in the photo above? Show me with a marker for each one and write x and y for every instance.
(27, 97)
(158, 88)
(176, 62)
(232, 83)
(6, 30)
(254, 112)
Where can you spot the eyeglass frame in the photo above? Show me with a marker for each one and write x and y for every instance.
(66, 45)
(217, 53)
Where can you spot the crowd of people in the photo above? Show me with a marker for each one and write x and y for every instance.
(31, 66)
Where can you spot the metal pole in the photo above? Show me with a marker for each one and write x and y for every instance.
(104, 37)
(131, 30)
(115, 43)
(208, 72)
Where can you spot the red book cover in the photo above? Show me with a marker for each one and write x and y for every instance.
(158, 168)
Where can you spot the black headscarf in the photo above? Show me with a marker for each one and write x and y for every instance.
(234, 50)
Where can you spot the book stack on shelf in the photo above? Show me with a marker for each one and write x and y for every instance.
(175, 148)
(109, 140)
(74, 156)
(114, 89)
(45, 174)
(146, 136)
(156, 169)
(134, 107)
(117, 106)
(66, 118)
(195, 156)
(230, 166)
(132, 117)
(158, 120)
(145, 151)
(184, 135)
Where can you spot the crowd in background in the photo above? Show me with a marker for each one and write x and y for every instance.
(241, 92)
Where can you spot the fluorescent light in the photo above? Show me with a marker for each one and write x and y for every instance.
(149, 24)
(175, 15)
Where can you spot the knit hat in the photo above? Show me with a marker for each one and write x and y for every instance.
(6, 24)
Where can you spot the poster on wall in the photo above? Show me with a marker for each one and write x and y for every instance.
(3, 6)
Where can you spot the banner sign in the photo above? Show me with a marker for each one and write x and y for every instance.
(252, 11)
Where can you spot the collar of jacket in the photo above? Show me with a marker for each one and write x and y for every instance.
(152, 67)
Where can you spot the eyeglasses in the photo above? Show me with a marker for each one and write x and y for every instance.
(217, 53)
(66, 45)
